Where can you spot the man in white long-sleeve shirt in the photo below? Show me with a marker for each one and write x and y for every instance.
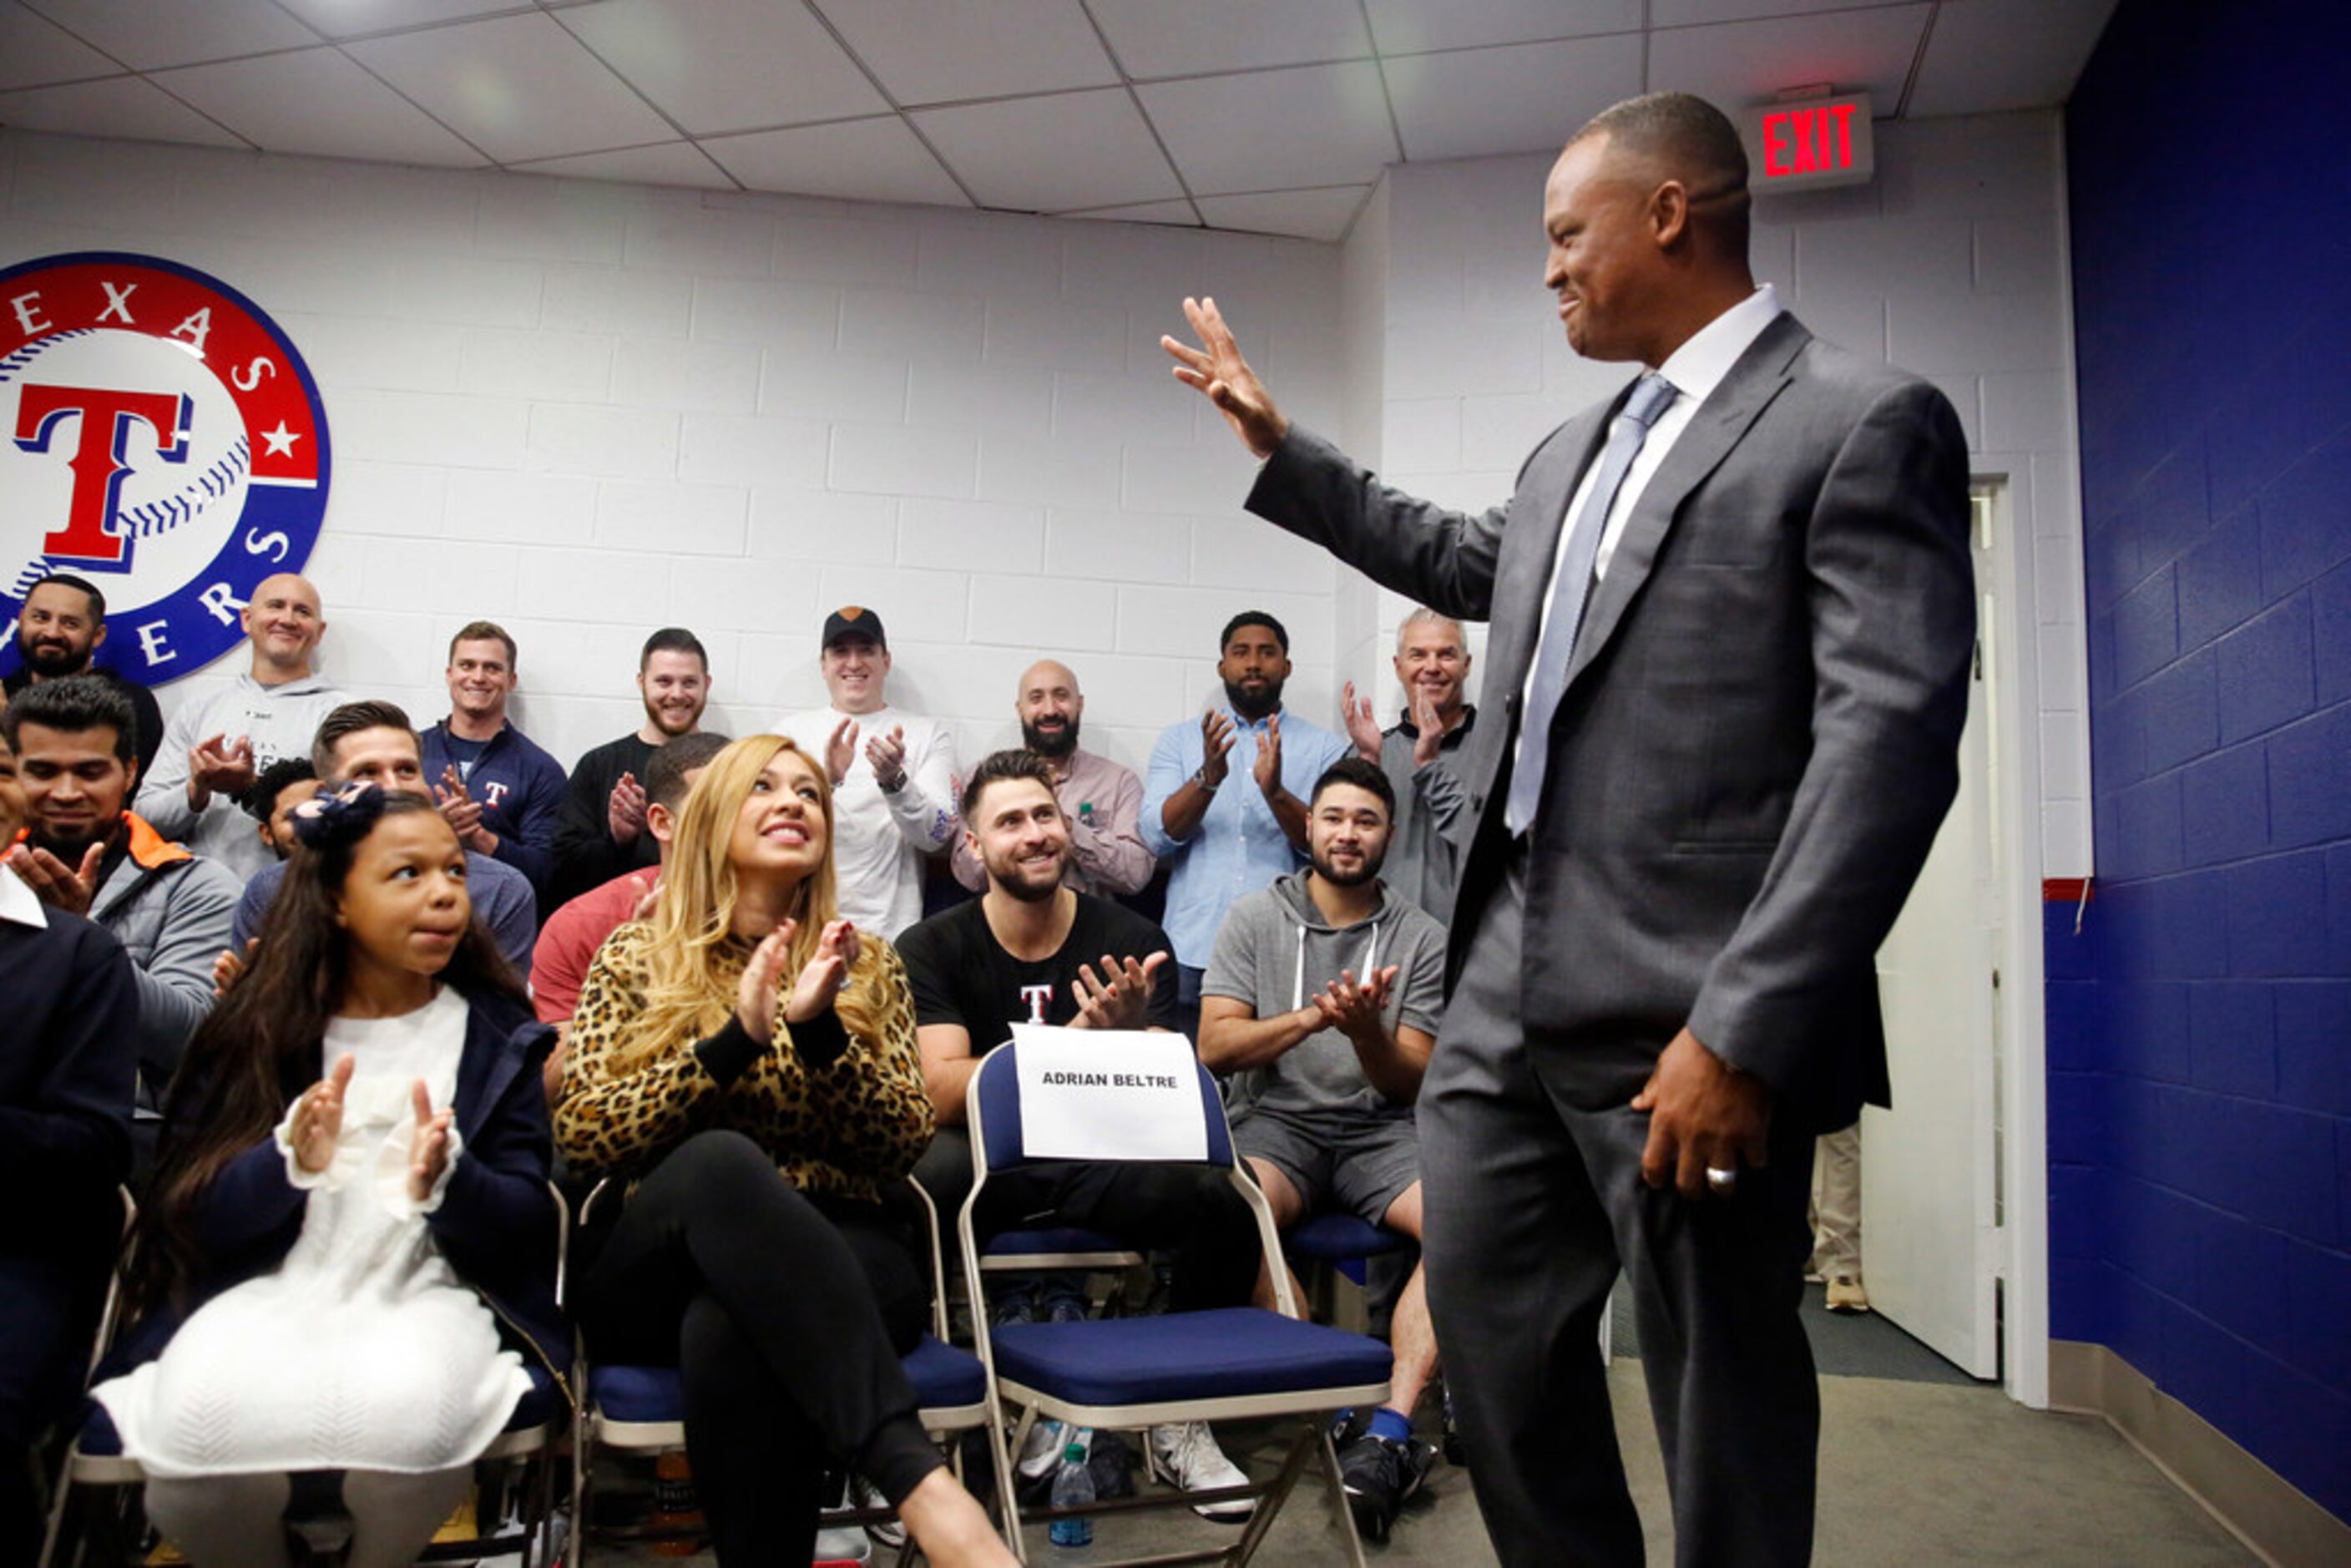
(215, 747)
(892, 777)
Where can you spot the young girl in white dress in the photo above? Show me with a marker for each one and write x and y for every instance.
(347, 1263)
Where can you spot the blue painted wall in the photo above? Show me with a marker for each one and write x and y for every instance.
(2199, 1028)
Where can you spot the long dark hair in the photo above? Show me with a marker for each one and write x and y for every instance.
(261, 1045)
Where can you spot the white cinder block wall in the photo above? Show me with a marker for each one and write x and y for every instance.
(1950, 264)
(586, 410)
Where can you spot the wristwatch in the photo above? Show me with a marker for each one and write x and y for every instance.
(1200, 777)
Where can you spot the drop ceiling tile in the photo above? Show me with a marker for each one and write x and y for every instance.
(1154, 38)
(1322, 215)
(667, 163)
(132, 106)
(317, 101)
(1310, 125)
(925, 51)
(1990, 55)
(1407, 26)
(519, 88)
(35, 50)
(716, 66)
(1050, 154)
(1737, 63)
(1691, 12)
(859, 160)
(1521, 97)
(146, 35)
(1164, 213)
(351, 19)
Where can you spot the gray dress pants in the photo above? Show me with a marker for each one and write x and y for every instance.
(1530, 1163)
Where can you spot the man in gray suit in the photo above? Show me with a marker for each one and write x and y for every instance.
(1732, 617)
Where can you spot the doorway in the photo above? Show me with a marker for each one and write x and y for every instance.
(1953, 1227)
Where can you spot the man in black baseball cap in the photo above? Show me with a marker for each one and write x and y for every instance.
(892, 775)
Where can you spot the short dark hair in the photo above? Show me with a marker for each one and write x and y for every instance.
(67, 579)
(484, 632)
(349, 719)
(260, 801)
(997, 768)
(72, 703)
(672, 760)
(1360, 772)
(1691, 138)
(673, 640)
(1254, 617)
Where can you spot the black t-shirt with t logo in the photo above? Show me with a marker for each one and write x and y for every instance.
(961, 975)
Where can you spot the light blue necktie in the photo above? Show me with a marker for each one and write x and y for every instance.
(1564, 614)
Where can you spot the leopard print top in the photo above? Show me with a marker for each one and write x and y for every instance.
(845, 1130)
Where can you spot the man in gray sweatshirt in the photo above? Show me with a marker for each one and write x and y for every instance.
(1322, 996)
(217, 744)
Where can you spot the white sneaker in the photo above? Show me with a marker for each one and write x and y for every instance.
(844, 1544)
(890, 1532)
(1043, 1449)
(1185, 1453)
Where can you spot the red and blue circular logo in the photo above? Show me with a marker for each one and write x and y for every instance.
(165, 441)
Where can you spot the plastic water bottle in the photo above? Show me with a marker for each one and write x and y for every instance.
(1074, 1487)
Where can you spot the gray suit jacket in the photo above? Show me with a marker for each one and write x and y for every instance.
(1758, 737)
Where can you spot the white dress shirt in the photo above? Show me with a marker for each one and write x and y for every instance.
(19, 905)
(1694, 369)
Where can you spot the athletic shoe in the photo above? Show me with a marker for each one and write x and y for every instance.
(1043, 1451)
(890, 1531)
(1015, 1303)
(1186, 1454)
(1845, 1294)
(1456, 1450)
(844, 1545)
(1063, 1305)
(1378, 1473)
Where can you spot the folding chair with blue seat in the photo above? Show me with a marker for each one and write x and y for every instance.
(1343, 1244)
(641, 1409)
(1132, 1374)
(96, 1459)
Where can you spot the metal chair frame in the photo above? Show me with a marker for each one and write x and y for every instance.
(1311, 1444)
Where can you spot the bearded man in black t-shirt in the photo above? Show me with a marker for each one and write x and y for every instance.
(1030, 950)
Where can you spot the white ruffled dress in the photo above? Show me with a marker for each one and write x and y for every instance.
(362, 1350)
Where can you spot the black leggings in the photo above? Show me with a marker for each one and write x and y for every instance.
(785, 1317)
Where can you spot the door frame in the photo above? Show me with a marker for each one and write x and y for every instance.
(2020, 1004)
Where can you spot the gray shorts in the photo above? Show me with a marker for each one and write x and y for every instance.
(1359, 1165)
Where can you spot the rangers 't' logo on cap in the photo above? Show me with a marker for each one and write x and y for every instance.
(164, 440)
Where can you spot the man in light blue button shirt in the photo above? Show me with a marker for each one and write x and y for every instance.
(1224, 804)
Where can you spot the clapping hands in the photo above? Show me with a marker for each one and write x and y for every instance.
(1118, 996)
(820, 982)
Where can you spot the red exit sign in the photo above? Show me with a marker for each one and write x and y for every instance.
(1798, 144)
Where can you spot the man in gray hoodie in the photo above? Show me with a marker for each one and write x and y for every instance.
(1323, 996)
(217, 744)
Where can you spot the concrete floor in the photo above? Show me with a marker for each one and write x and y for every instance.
(1912, 1472)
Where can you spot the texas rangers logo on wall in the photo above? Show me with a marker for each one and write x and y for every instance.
(164, 441)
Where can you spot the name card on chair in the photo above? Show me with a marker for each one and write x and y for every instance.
(1109, 1095)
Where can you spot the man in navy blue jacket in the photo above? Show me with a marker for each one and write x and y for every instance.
(68, 1058)
(499, 789)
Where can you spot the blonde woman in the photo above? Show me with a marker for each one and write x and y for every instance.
(746, 1061)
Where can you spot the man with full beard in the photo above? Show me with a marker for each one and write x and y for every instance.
(1032, 950)
(1322, 1000)
(84, 852)
(1101, 802)
(60, 629)
(600, 833)
(1219, 846)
